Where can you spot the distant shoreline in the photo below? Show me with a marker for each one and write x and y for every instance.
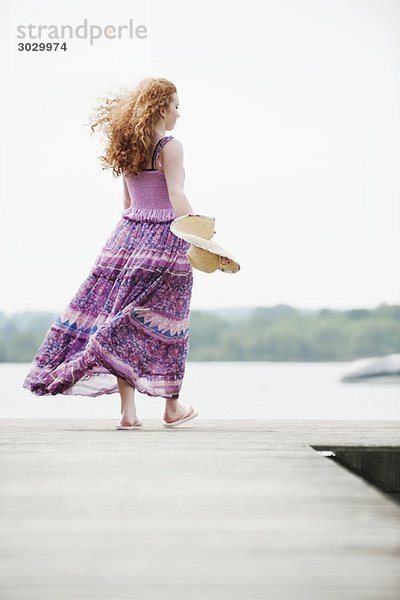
(278, 333)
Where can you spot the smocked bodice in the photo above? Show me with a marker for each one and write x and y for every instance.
(149, 197)
(149, 194)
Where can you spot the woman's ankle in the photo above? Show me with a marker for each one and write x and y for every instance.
(129, 411)
(178, 409)
(171, 405)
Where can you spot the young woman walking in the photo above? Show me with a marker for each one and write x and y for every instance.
(127, 325)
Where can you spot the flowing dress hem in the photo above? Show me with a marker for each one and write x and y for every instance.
(47, 384)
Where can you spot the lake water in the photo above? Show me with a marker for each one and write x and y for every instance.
(225, 390)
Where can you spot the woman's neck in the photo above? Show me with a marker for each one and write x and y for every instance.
(159, 132)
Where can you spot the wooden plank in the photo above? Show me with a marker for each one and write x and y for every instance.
(216, 509)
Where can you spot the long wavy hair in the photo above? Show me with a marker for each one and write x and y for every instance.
(128, 121)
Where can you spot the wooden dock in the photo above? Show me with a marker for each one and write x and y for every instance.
(215, 509)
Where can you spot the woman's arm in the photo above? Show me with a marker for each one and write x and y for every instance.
(126, 198)
(172, 160)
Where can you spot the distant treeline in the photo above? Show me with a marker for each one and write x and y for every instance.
(277, 333)
(282, 333)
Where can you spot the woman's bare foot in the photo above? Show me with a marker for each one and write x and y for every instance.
(130, 422)
(130, 418)
(173, 413)
(128, 406)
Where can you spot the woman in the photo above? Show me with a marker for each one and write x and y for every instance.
(127, 325)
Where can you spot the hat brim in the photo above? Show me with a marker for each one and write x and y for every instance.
(203, 260)
(185, 224)
(211, 246)
(200, 261)
(227, 262)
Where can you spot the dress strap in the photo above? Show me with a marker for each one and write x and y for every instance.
(160, 145)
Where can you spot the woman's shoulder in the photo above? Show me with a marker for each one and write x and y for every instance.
(170, 141)
(171, 146)
(170, 149)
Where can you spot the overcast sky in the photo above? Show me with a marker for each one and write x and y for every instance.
(290, 127)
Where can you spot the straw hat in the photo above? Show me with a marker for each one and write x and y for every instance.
(204, 254)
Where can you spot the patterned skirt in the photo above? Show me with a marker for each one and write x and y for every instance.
(129, 318)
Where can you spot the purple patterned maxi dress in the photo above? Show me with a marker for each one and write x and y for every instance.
(130, 317)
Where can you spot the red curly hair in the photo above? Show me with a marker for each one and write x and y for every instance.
(128, 120)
